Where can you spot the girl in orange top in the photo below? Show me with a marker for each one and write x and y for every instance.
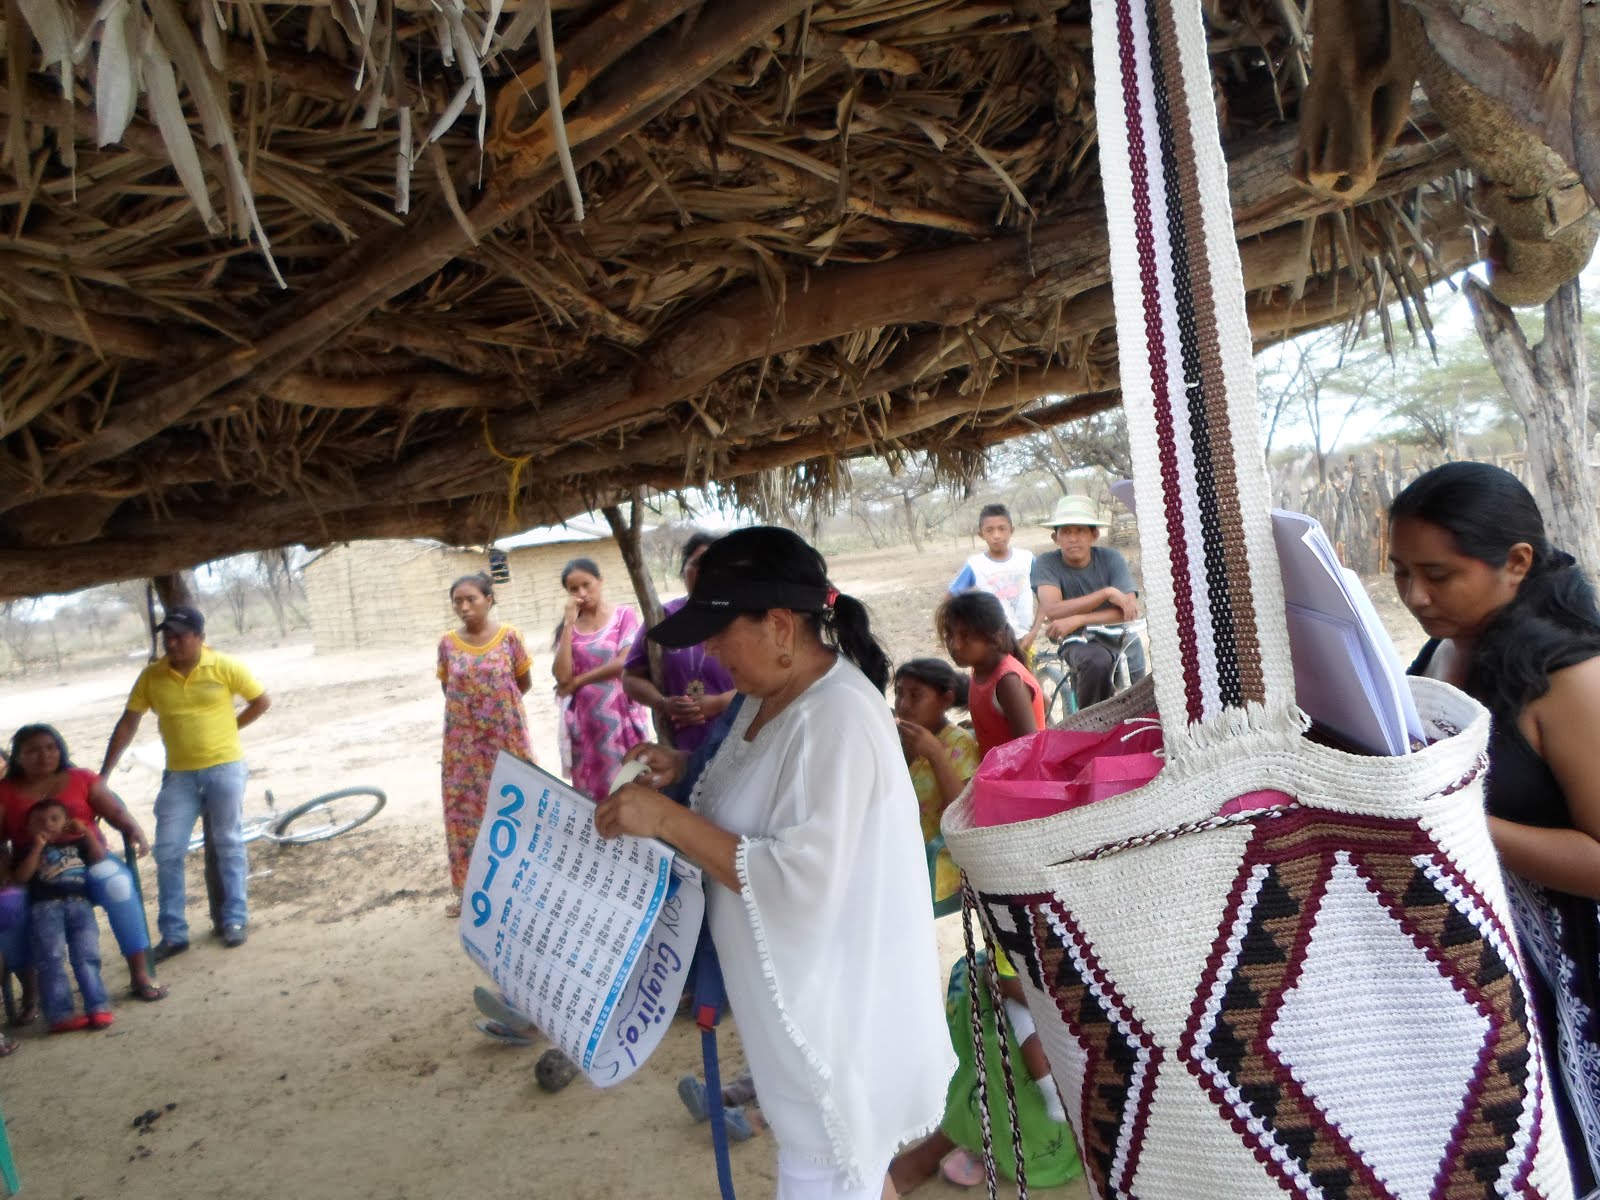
(1005, 700)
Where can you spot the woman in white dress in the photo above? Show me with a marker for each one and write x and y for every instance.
(806, 824)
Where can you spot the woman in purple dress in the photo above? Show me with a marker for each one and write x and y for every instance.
(695, 690)
(592, 644)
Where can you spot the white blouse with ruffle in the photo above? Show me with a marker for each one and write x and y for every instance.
(828, 954)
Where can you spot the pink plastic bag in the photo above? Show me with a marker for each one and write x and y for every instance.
(1055, 770)
(1111, 775)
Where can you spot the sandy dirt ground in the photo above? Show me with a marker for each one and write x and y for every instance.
(335, 1054)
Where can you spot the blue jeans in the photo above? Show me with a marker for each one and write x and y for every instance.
(63, 931)
(218, 790)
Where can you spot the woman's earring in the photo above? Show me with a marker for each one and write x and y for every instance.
(785, 661)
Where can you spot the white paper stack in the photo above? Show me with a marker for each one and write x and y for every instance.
(1347, 675)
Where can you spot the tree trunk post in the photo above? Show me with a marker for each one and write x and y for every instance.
(1548, 385)
(176, 588)
(629, 534)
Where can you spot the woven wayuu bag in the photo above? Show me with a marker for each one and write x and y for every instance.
(1279, 967)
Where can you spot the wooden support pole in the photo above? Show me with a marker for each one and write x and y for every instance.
(629, 533)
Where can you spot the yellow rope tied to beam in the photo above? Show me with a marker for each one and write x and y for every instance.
(514, 484)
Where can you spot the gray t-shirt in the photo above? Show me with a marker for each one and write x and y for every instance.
(1107, 568)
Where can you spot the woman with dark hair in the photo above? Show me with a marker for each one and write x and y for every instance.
(592, 643)
(1512, 621)
(694, 690)
(484, 671)
(806, 823)
(39, 768)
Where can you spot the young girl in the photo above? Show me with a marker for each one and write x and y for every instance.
(484, 670)
(54, 863)
(942, 756)
(1005, 700)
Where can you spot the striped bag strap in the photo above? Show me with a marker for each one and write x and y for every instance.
(1210, 569)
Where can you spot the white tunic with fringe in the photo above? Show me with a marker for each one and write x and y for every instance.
(828, 954)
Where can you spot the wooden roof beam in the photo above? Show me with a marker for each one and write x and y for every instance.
(168, 545)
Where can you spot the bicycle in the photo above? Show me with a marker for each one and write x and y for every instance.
(1058, 678)
(294, 828)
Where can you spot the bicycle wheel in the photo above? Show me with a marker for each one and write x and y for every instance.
(250, 829)
(328, 816)
(1059, 702)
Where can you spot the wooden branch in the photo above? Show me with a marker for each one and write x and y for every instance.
(63, 569)
(1049, 416)
(627, 531)
(148, 546)
(408, 391)
(456, 469)
(415, 392)
(840, 299)
(943, 287)
(390, 264)
(1548, 384)
(908, 417)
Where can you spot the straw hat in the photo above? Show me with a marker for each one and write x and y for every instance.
(1076, 510)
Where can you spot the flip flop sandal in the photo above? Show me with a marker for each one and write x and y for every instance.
(7, 1046)
(503, 1033)
(26, 1016)
(149, 992)
(962, 1168)
(738, 1124)
(496, 1009)
(693, 1094)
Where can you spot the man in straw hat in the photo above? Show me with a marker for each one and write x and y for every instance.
(1080, 584)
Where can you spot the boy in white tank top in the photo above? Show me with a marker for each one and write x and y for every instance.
(1001, 571)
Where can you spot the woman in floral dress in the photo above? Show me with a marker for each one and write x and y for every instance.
(591, 649)
(484, 672)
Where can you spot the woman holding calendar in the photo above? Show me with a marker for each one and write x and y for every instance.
(806, 822)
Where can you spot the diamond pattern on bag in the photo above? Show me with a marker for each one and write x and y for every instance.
(1349, 941)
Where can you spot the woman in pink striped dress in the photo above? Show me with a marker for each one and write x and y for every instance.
(591, 650)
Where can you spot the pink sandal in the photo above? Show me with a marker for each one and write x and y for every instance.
(962, 1168)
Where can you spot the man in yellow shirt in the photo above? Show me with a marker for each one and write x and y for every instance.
(191, 690)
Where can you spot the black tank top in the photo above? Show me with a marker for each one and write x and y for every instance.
(1521, 786)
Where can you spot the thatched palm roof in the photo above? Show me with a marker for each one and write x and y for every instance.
(809, 231)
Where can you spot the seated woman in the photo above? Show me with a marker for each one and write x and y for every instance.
(40, 769)
(1512, 621)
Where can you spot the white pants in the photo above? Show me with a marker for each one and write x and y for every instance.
(799, 1179)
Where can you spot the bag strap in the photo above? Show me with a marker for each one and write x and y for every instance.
(1213, 592)
(991, 1173)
